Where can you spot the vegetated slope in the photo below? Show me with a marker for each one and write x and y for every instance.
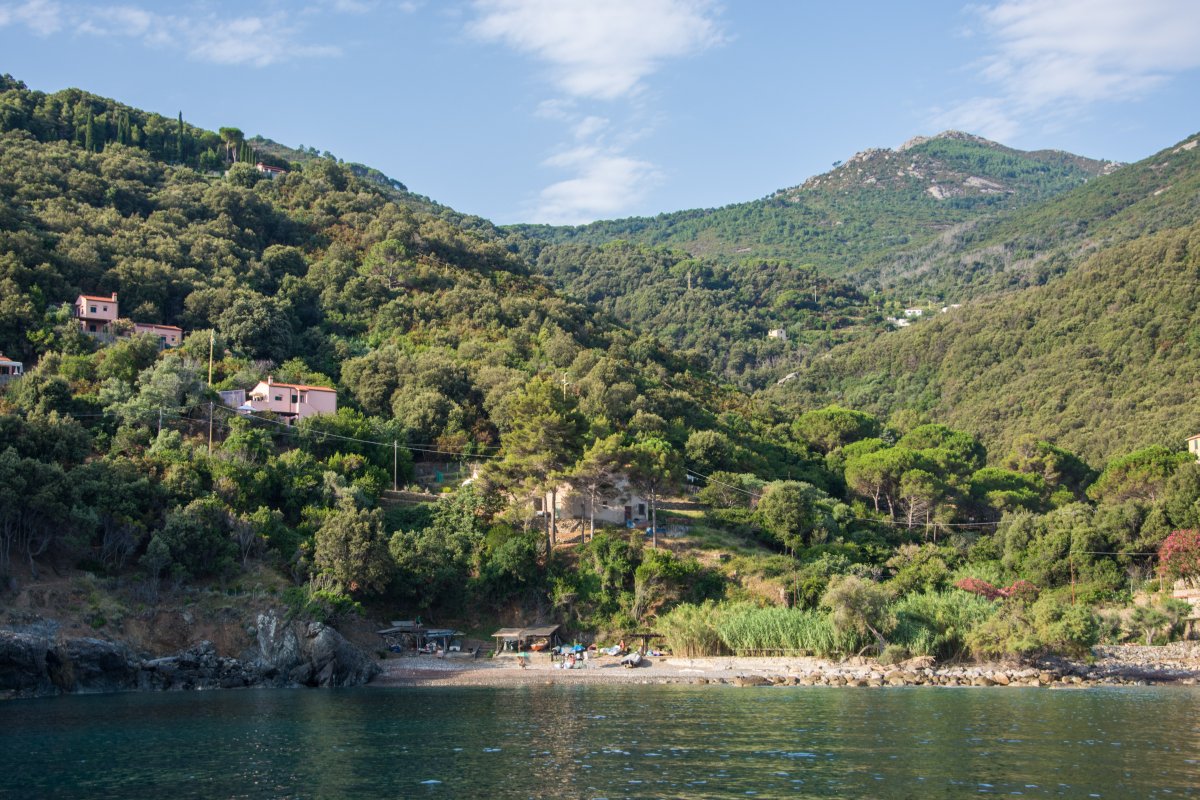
(842, 222)
(1029, 246)
(414, 315)
(1102, 360)
(727, 316)
(715, 282)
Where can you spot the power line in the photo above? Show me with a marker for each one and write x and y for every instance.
(299, 433)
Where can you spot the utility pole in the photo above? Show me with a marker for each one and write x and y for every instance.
(210, 416)
(395, 457)
(212, 337)
(160, 422)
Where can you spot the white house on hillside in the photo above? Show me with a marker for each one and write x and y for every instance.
(623, 506)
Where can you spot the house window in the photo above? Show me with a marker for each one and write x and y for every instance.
(641, 509)
(3, 370)
(294, 398)
(105, 308)
(92, 328)
(92, 309)
(278, 398)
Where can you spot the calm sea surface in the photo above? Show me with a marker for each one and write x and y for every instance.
(605, 741)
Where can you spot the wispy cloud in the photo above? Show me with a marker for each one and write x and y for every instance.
(1050, 58)
(43, 17)
(597, 52)
(257, 41)
(601, 50)
(604, 183)
(245, 39)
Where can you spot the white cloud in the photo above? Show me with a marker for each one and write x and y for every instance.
(1050, 58)
(257, 41)
(120, 21)
(589, 127)
(605, 183)
(599, 49)
(43, 17)
(247, 40)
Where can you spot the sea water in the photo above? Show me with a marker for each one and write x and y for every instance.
(606, 742)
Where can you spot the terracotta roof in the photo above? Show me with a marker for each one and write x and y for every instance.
(110, 299)
(156, 325)
(1190, 438)
(301, 386)
(9, 360)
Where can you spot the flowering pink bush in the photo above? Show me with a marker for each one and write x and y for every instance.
(1179, 555)
(1021, 590)
(980, 587)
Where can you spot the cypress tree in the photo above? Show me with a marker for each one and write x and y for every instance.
(89, 133)
(179, 141)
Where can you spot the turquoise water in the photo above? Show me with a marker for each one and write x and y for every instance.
(605, 741)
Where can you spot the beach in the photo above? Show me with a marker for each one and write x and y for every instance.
(1178, 663)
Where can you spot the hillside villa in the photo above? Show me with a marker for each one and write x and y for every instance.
(98, 317)
(293, 401)
(270, 171)
(1193, 443)
(96, 314)
(622, 506)
(10, 369)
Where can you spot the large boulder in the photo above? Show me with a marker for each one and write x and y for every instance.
(335, 661)
(307, 654)
(23, 668)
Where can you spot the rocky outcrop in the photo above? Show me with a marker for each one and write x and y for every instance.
(312, 654)
(23, 668)
(286, 653)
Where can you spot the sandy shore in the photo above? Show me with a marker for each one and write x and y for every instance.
(1176, 664)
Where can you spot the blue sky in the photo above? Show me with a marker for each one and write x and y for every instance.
(566, 111)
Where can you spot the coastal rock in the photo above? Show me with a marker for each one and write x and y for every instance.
(336, 662)
(313, 654)
(23, 668)
(287, 654)
(751, 680)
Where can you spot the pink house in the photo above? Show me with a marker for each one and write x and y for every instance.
(293, 400)
(96, 314)
(168, 335)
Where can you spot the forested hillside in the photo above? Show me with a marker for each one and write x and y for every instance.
(1100, 358)
(120, 466)
(808, 260)
(845, 221)
(719, 314)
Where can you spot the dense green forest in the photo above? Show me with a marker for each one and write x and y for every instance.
(807, 260)
(1101, 359)
(831, 529)
(718, 314)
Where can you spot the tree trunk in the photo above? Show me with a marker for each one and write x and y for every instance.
(654, 519)
(553, 529)
(592, 515)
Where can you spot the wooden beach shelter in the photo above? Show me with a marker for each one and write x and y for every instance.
(519, 639)
(412, 635)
